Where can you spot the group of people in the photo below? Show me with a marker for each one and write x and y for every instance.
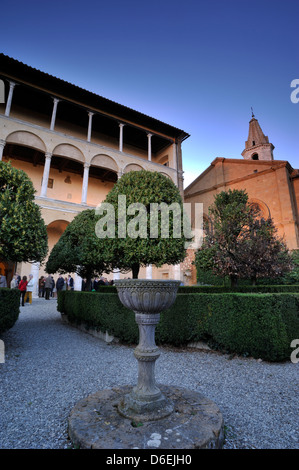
(24, 285)
(47, 287)
(95, 283)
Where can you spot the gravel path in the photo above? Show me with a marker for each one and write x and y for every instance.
(49, 366)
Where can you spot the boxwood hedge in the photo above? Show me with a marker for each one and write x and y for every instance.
(261, 325)
(9, 308)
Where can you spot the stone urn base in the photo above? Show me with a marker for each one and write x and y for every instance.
(131, 406)
(195, 423)
(147, 416)
(147, 298)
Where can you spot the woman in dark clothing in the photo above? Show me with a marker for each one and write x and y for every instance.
(22, 288)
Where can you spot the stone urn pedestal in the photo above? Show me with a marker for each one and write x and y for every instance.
(147, 299)
(146, 416)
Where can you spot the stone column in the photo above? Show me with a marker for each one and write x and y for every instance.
(46, 174)
(77, 282)
(119, 174)
(2, 145)
(149, 272)
(89, 126)
(9, 99)
(35, 274)
(174, 157)
(149, 151)
(53, 119)
(85, 183)
(121, 126)
(116, 274)
(177, 272)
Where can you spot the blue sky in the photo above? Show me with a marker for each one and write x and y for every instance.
(197, 65)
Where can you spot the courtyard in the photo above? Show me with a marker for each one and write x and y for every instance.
(49, 366)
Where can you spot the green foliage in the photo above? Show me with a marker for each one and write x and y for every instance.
(239, 244)
(9, 308)
(79, 249)
(269, 289)
(104, 312)
(260, 325)
(292, 277)
(130, 253)
(23, 234)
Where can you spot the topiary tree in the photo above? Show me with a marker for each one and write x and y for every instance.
(79, 250)
(261, 253)
(23, 234)
(240, 244)
(142, 222)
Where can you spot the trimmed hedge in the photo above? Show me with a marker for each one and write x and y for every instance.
(241, 289)
(221, 289)
(257, 325)
(9, 308)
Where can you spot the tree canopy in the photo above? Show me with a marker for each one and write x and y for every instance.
(149, 222)
(79, 250)
(23, 234)
(239, 243)
(141, 222)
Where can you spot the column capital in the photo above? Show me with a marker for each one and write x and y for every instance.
(48, 155)
(90, 113)
(121, 124)
(86, 165)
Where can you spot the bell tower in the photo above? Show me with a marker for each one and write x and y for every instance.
(257, 146)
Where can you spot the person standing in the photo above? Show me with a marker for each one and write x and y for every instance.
(18, 277)
(22, 288)
(3, 282)
(41, 286)
(48, 287)
(59, 284)
(14, 282)
(29, 289)
(70, 283)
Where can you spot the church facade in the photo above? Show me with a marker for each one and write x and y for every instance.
(272, 185)
(74, 145)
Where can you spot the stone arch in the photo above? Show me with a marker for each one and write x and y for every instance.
(165, 174)
(255, 156)
(69, 151)
(54, 230)
(207, 222)
(7, 269)
(104, 161)
(262, 206)
(133, 167)
(27, 139)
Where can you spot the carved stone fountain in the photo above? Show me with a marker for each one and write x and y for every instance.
(146, 416)
(147, 299)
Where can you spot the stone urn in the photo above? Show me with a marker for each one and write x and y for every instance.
(147, 298)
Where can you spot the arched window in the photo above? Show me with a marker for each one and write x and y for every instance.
(255, 156)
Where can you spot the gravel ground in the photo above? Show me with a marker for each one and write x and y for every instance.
(50, 365)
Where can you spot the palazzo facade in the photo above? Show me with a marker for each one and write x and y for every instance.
(74, 145)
